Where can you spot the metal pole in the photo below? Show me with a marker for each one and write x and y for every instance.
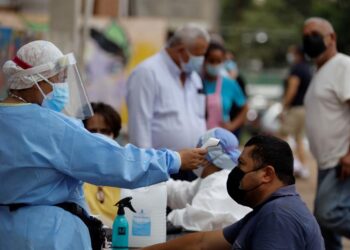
(85, 28)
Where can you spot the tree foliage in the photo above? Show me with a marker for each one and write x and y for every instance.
(244, 23)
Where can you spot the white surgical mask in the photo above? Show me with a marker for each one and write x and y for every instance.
(290, 58)
(213, 70)
(195, 63)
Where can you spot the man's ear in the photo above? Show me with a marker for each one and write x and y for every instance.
(181, 49)
(334, 37)
(269, 174)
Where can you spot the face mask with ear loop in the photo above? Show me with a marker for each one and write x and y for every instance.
(290, 58)
(58, 98)
(214, 70)
(195, 63)
(314, 45)
(233, 185)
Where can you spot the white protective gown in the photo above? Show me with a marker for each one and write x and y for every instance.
(203, 204)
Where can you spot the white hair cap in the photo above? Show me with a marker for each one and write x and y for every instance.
(30, 55)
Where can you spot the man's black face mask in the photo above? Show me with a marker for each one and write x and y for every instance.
(233, 185)
(313, 45)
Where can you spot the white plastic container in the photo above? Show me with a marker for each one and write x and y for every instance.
(148, 225)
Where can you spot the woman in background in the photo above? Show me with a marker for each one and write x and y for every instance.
(221, 92)
(101, 199)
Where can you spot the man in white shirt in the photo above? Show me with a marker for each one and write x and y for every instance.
(327, 104)
(165, 100)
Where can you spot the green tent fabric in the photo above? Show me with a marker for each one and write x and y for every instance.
(116, 34)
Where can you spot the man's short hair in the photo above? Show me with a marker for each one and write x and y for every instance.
(326, 25)
(270, 150)
(187, 35)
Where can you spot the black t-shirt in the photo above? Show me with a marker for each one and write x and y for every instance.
(303, 72)
(235, 110)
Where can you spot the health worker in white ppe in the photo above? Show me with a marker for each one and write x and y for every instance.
(204, 204)
(46, 155)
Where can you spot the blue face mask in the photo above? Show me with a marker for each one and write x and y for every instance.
(58, 98)
(230, 65)
(195, 63)
(213, 70)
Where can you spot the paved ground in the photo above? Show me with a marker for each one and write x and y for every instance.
(307, 188)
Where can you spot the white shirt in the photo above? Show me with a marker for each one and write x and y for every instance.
(327, 113)
(203, 204)
(162, 111)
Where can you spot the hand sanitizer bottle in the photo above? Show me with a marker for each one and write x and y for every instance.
(120, 230)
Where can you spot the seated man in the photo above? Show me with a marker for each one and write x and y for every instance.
(204, 204)
(264, 181)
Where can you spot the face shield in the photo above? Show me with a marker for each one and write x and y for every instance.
(65, 68)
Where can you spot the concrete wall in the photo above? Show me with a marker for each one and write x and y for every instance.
(178, 12)
(33, 6)
(64, 29)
